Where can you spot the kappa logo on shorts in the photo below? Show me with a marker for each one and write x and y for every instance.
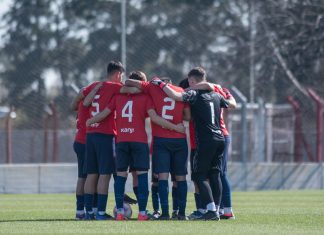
(127, 130)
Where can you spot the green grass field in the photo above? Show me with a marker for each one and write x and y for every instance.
(267, 212)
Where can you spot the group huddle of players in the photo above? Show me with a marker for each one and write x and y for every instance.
(111, 140)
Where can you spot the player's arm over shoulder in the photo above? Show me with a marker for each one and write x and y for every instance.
(165, 123)
(77, 99)
(130, 90)
(90, 92)
(225, 103)
(229, 97)
(203, 86)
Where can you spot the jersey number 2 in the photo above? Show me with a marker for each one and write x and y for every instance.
(168, 107)
(127, 111)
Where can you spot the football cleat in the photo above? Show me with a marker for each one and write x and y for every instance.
(89, 216)
(143, 217)
(129, 200)
(210, 215)
(163, 217)
(103, 217)
(120, 217)
(182, 217)
(196, 215)
(127, 211)
(156, 214)
(79, 216)
(227, 216)
(174, 215)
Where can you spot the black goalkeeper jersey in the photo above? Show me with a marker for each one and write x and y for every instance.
(205, 111)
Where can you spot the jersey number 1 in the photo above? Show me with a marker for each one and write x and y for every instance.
(127, 111)
(212, 112)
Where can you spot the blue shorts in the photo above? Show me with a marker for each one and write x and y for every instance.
(99, 154)
(134, 155)
(79, 149)
(170, 155)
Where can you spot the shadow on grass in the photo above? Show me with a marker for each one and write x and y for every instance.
(55, 220)
(35, 220)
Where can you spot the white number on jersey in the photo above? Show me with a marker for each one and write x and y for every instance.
(127, 111)
(96, 105)
(212, 112)
(168, 107)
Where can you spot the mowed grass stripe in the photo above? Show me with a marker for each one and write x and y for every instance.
(265, 212)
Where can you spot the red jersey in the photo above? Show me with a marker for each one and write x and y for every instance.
(82, 117)
(226, 95)
(166, 108)
(99, 103)
(131, 111)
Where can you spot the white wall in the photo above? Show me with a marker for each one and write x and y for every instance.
(61, 178)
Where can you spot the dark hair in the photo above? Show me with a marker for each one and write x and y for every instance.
(137, 75)
(166, 79)
(114, 66)
(184, 83)
(198, 73)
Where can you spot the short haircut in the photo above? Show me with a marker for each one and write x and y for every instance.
(137, 75)
(114, 66)
(198, 73)
(184, 83)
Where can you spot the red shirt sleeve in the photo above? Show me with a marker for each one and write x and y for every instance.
(145, 86)
(149, 103)
(219, 91)
(112, 104)
(89, 88)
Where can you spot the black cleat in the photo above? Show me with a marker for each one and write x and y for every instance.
(162, 217)
(174, 215)
(129, 200)
(210, 215)
(182, 217)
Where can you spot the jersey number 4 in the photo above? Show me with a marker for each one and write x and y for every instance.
(165, 108)
(127, 111)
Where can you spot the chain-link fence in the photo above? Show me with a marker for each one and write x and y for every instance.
(47, 45)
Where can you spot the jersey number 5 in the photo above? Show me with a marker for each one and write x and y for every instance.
(127, 111)
(168, 107)
(96, 105)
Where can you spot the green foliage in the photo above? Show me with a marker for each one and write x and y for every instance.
(76, 39)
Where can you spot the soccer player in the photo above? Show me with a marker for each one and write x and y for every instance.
(79, 147)
(205, 108)
(226, 211)
(99, 143)
(132, 147)
(169, 147)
